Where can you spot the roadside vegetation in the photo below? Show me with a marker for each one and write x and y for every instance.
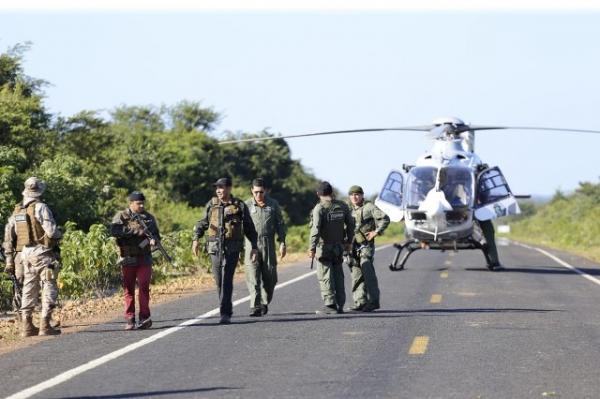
(567, 222)
(92, 160)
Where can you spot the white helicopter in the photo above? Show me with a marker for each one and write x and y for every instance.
(448, 195)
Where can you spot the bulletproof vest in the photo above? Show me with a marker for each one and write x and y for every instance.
(233, 215)
(332, 225)
(29, 230)
(136, 245)
(363, 224)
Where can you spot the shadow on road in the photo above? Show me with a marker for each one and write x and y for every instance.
(538, 270)
(151, 393)
(311, 316)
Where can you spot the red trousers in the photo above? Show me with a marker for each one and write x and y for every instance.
(142, 271)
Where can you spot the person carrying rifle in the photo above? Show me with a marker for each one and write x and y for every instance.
(227, 221)
(135, 250)
(369, 222)
(31, 247)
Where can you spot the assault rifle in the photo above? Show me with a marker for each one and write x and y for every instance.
(17, 288)
(136, 217)
(220, 234)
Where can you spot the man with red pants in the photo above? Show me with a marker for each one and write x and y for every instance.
(135, 249)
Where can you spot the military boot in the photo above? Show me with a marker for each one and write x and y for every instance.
(46, 328)
(28, 328)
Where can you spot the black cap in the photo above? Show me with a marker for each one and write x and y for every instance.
(259, 182)
(136, 196)
(223, 182)
(324, 188)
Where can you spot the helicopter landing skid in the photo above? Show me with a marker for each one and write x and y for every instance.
(408, 247)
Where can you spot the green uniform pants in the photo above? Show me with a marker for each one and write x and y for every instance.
(487, 228)
(365, 287)
(261, 278)
(331, 282)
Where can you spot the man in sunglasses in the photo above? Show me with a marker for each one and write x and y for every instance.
(261, 275)
(227, 221)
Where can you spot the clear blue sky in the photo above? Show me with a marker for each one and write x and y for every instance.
(305, 72)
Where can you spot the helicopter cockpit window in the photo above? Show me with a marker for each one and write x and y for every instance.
(492, 187)
(392, 190)
(457, 184)
(421, 180)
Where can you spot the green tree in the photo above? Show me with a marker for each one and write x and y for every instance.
(190, 115)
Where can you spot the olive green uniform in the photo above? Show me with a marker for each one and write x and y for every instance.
(236, 223)
(487, 228)
(261, 276)
(331, 228)
(367, 217)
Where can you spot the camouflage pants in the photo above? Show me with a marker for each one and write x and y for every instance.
(365, 287)
(38, 275)
(261, 279)
(331, 282)
(19, 269)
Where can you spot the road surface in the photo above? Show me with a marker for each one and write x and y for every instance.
(448, 328)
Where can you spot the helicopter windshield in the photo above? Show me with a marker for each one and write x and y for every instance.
(457, 184)
(421, 180)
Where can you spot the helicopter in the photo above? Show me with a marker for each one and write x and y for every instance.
(448, 195)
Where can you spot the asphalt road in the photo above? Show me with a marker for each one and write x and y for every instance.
(448, 328)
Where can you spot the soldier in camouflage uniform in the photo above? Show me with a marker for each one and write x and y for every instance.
(261, 276)
(331, 232)
(135, 250)
(32, 235)
(225, 241)
(370, 222)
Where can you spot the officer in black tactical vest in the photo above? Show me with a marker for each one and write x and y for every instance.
(33, 234)
(227, 220)
(331, 233)
(135, 250)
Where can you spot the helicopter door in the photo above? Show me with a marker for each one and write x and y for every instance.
(389, 199)
(494, 198)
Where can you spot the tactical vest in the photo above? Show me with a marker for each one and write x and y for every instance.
(130, 246)
(332, 225)
(363, 224)
(233, 216)
(29, 230)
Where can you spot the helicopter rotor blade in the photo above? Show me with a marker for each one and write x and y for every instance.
(267, 138)
(551, 129)
(433, 132)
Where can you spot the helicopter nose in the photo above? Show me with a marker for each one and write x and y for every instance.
(435, 204)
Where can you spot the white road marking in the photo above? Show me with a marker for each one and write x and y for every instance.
(560, 262)
(67, 375)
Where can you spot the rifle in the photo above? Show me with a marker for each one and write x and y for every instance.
(17, 288)
(312, 262)
(17, 292)
(220, 234)
(136, 217)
